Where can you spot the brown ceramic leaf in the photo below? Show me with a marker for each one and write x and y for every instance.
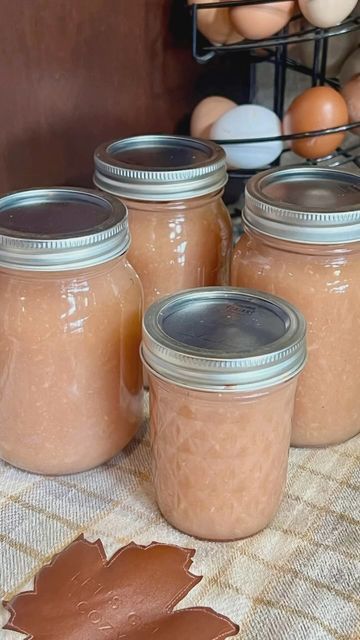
(81, 595)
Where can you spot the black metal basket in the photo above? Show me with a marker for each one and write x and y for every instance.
(275, 51)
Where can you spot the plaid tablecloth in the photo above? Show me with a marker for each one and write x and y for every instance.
(297, 580)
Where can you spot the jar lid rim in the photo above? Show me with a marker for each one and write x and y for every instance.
(160, 167)
(222, 338)
(61, 229)
(311, 205)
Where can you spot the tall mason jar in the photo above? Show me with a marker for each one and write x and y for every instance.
(302, 242)
(70, 329)
(180, 228)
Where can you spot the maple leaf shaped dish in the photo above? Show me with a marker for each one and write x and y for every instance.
(81, 595)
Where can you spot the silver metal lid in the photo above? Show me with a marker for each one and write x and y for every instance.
(224, 339)
(309, 205)
(60, 229)
(160, 168)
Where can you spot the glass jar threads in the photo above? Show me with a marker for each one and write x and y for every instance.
(302, 242)
(180, 228)
(223, 365)
(70, 328)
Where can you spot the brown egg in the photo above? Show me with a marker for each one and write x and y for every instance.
(206, 113)
(215, 24)
(351, 94)
(350, 67)
(317, 108)
(234, 37)
(262, 20)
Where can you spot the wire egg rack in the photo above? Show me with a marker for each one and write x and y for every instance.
(275, 50)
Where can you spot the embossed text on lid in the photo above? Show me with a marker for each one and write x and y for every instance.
(216, 337)
(156, 167)
(305, 204)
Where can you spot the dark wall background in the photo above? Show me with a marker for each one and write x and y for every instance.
(74, 73)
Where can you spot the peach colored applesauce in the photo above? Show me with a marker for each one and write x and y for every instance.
(302, 242)
(180, 228)
(223, 365)
(70, 330)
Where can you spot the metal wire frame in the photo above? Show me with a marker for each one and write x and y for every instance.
(275, 51)
(203, 53)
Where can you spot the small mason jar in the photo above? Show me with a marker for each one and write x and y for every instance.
(180, 228)
(223, 365)
(70, 330)
(302, 242)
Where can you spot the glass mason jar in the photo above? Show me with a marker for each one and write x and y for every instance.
(302, 242)
(180, 228)
(70, 330)
(223, 365)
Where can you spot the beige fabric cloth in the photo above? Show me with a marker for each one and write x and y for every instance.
(297, 580)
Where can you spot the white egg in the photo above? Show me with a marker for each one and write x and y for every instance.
(326, 13)
(339, 48)
(249, 121)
